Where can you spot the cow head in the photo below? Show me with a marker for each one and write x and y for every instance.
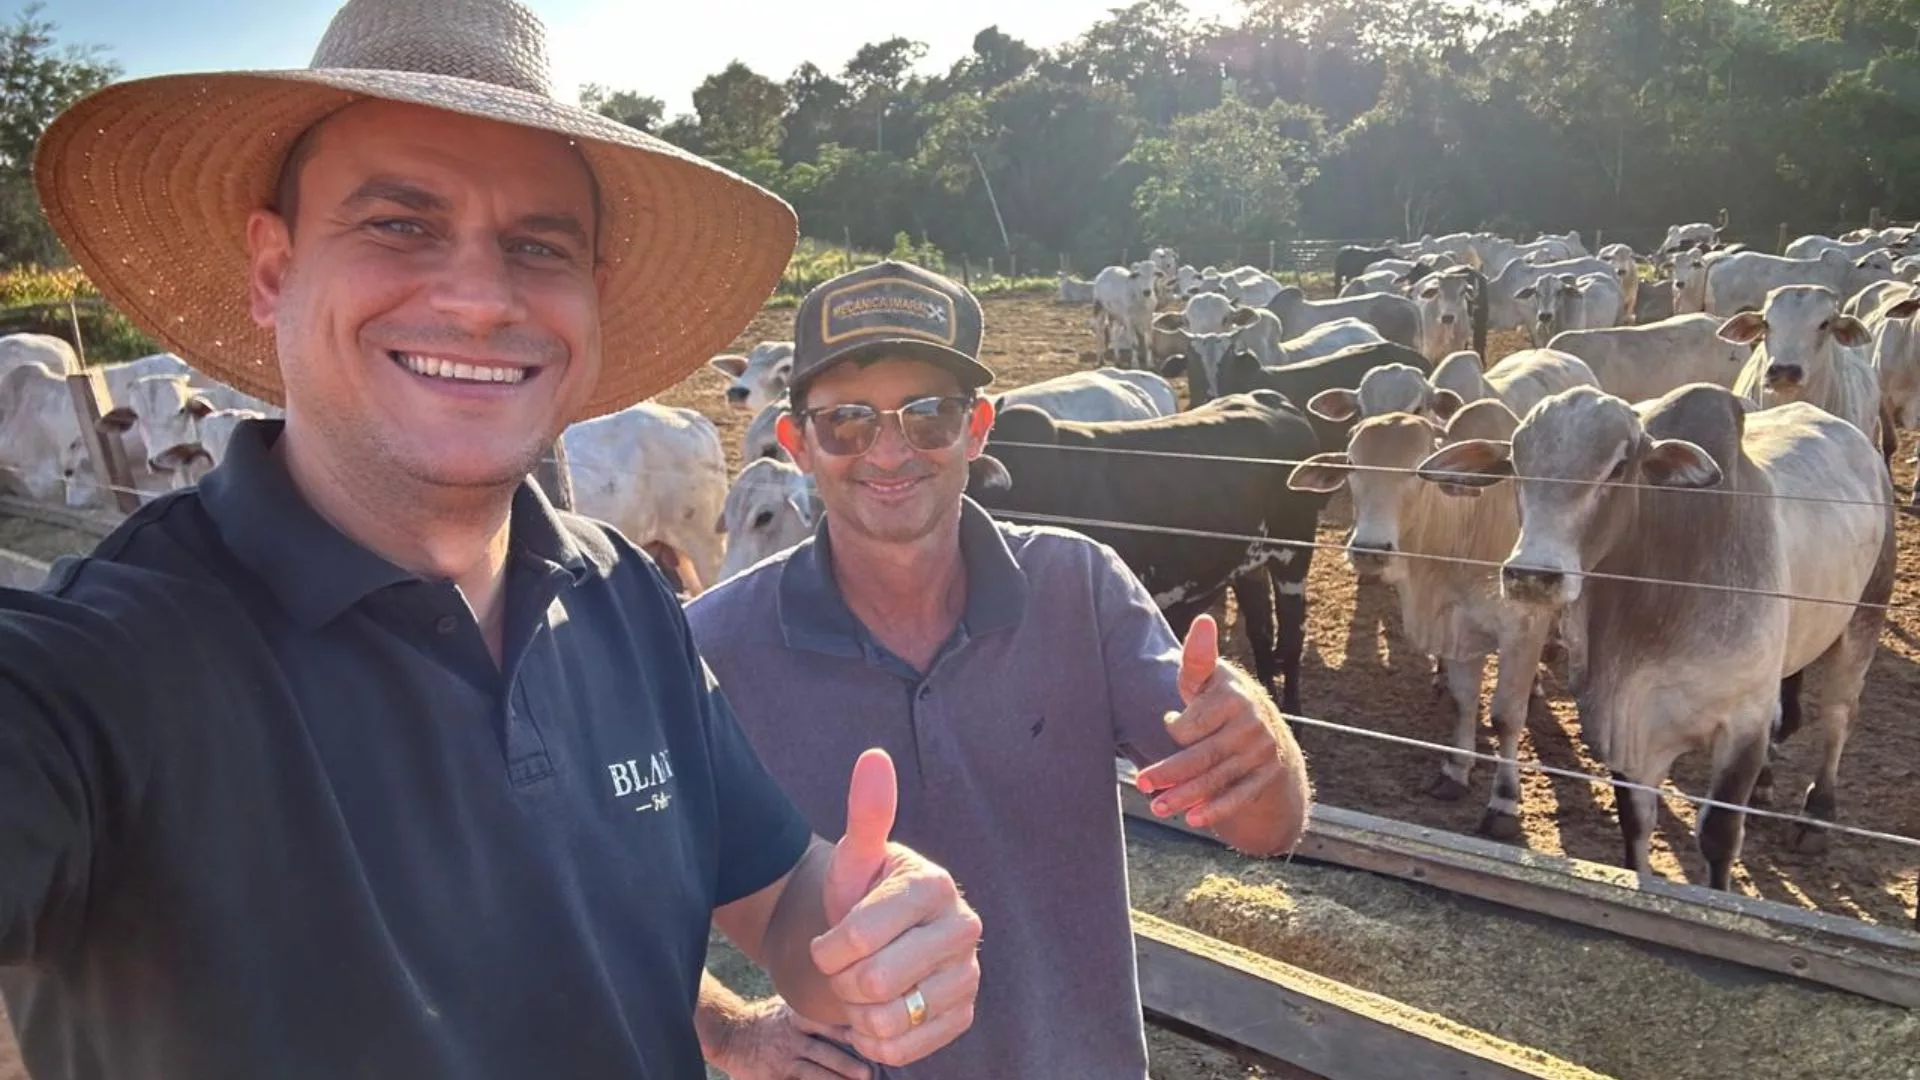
(770, 507)
(759, 377)
(1799, 327)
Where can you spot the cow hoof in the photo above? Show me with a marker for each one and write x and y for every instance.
(1500, 826)
(1809, 840)
(1447, 789)
(1762, 796)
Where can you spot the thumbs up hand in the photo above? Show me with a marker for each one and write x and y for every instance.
(899, 951)
(1239, 772)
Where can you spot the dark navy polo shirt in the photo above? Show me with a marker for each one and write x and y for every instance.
(1005, 747)
(269, 809)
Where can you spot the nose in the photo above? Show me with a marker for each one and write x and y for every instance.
(1368, 558)
(477, 289)
(1785, 373)
(736, 395)
(1525, 581)
(1546, 317)
(1446, 320)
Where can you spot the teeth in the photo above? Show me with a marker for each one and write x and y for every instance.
(436, 368)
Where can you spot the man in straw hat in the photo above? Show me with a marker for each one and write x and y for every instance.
(394, 771)
(1003, 666)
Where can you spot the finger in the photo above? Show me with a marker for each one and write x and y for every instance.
(1218, 708)
(829, 1061)
(1207, 786)
(1230, 734)
(1238, 796)
(901, 901)
(1199, 655)
(939, 1030)
(949, 988)
(861, 855)
(907, 962)
(814, 1027)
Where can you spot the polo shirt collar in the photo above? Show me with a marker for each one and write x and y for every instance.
(315, 570)
(814, 615)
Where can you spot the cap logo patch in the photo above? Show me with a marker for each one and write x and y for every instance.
(887, 307)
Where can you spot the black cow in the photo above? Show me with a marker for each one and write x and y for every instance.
(1022, 473)
(1242, 373)
(1351, 261)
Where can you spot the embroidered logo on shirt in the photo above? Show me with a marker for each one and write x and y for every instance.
(648, 779)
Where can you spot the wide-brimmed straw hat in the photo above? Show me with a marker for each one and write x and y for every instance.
(149, 183)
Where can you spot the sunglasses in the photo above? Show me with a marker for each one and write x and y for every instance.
(929, 423)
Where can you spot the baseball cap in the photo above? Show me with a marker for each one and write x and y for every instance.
(889, 308)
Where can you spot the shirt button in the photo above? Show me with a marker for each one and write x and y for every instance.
(447, 624)
(926, 692)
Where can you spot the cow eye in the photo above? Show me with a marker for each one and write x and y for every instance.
(763, 519)
(1826, 324)
(1619, 470)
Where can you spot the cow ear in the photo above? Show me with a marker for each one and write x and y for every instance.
(989, 474)
(200, 407)
(1474, 463)
(731, 366)
(1902, 308)
(1244, 317)
(120, 419)
(1851, 332)
(1432, 290)
(803, 507)
(1325, 473)
(1746, 328)
(1170, 322)
(1444, 404)
(1677, 463)
(1527, 293)
(1568, 281)
(1338, 405)
(1174, 366)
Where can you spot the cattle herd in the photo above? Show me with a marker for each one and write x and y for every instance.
(1682, 490)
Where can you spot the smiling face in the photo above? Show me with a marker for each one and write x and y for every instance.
(895, 492)
(436, 300)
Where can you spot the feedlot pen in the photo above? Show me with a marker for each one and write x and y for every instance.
(1520, 992)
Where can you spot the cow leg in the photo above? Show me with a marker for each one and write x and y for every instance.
(1253, 601)
(1463, 685)
(1788, 724)
(1738, 756)
(1291, 598)
(1839, 691)
(1513, 692)
(1638, 811)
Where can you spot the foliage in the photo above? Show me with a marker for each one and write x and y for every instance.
(37, 80)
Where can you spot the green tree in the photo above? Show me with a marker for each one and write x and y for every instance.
(740, 111)
(1229, 175)
(37, 80)
(630, 108)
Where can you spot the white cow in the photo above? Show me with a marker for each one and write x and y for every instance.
(1690, 280)
(1440, 552)
(1896, 354)
(1250, 286)
(1812, 247)
(1669, 668)
(771, 506)
(1090, 396)
(216, 432)
(1565, 302)
(1246, 329)
(1626, 268)
(1520, 380)
(160, 414)
(1396, 317)
(1741, 281)
(41, 449)
(1807, 350)
(1373, 281)
(1907, 269)
(1637, 363)
(762, 438)
(1696, 235)
(1446, 314)
(656, 473)
(758, 377)
(1505, 309)
(48, 351)
(1073, 290)
(1123, 303)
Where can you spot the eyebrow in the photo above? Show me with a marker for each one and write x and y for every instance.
(420, 200)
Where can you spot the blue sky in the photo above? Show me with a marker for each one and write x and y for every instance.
(626, 44)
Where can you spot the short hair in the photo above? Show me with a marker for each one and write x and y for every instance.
(286, 187)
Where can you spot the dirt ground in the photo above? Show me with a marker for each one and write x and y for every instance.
(1359, 671)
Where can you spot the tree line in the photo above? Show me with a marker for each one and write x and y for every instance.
(1298, 118)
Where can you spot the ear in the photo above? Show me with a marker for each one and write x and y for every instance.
(787, 431)
(1170, 322)
(1325, 473)
(984, 410)
(1902, 308)
(720, 523)
(120, 419)
(199, 407)
(731, 366)
(1677, 463)
(1851, 332)
(1444, 404)
(1174, 366)
(269, 251)
(1568, 281)
(1474, 463)
(1243, 317)
(803, 507)
(987, 474)
(1527, 293)
(1337, 405)
(178, 457)
(1432, 290)
(1746, 328)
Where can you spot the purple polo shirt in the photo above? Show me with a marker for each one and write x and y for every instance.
(1005, 750)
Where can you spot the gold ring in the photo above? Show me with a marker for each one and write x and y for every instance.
(916, 1008)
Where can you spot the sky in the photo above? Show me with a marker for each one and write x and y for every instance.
(622, 44)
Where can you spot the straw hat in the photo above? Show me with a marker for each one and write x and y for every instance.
(149, 183)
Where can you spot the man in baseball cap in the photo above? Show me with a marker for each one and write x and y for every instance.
(396, 771)
(1003, 667)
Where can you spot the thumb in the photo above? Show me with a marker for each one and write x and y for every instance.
(861, 855)
(1199, 655)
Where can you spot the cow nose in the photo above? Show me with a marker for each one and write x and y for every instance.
(736, 393)
(1446, 320)
(1546, 317)
(1368, 558)
(1528, 581)
(1785, 373)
